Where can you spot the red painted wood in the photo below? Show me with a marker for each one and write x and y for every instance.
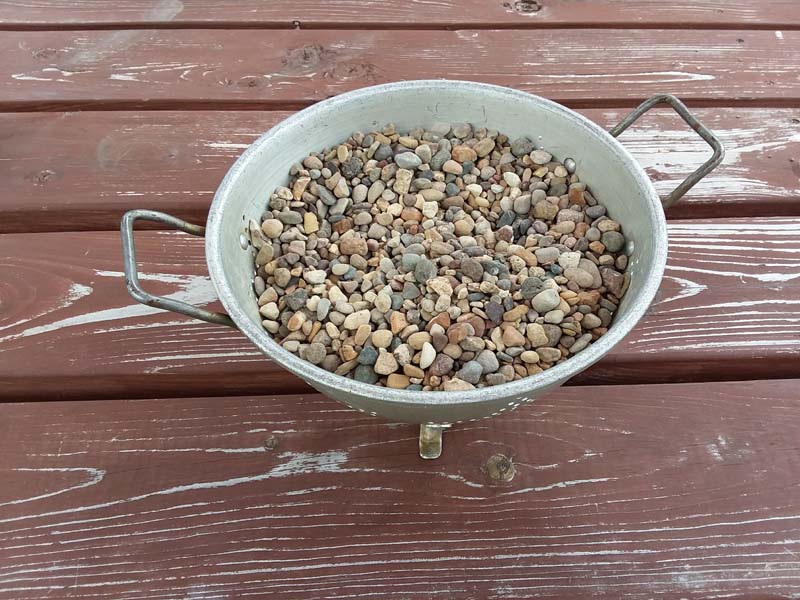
(670, 491)
(728, 308)
(415, 14)
(55, 180)
(46, 70)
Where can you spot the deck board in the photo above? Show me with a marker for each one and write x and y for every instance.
(669, 491)
(435, 14)
(55, 180)
(162, 69)
(729, 308)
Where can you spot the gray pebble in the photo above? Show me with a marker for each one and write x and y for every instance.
(368, 356)
(530, 287)
(407, 160)
(297, 299)
(522, 204)
(488, 361)
(522, 146)
(314, 353)
(410, 291)
(546, 301)
(323, 307)
(289, 217)
(424, 270)
(471, 372)
(383, 152)
(472, 269)
(614, 241)
(365, 374)
(494, 311)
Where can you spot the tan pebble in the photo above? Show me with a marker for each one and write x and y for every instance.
(397, 381)
(296, 321)
(416, 340)
(484, 147)
(357, 319)
(270, 311)
(383, 302)
(576, 197)
(545, 210)
(386, 363)
(596, 247)
(607, 225)
(347, 352)
(528, 256)
(382, 338)
(315, 327)
(410, 213)
(375, 190)
(454, 351)
(463, 153)
(457, 385)
(300, 186)
(352, 244)
(533, 369)
(362, 334)
(516, 313)
(269, 295)
(310, 223)
(512, 337)
(440, 285)
(442, 319)
(453, 167)
(342, 153)
(341, 189)
(397, 322)
(408, 142)
(346, 367)
(265, 254)
(413, 371)
(529, 356)
(402, 181)
(432, 195)
(312, 162)
(458, 332)
(272, 228)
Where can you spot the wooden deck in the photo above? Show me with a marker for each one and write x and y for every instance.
(144, 455)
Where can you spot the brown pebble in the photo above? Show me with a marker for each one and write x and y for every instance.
(397, 381)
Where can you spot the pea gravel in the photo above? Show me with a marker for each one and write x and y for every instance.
(445, 258)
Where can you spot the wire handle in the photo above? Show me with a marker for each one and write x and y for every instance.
(132, 272)
(703, 131)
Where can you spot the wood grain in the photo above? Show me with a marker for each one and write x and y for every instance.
(47, 70)
(729, 308)
(671, 491)
(55, 180)
(429, 14)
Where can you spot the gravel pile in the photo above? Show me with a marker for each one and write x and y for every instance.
(436, 259)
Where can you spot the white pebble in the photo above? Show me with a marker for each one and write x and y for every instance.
(314, 277)
(427, 355)
(512, 179)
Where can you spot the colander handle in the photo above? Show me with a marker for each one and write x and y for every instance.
(703, 131)
(132, 272)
